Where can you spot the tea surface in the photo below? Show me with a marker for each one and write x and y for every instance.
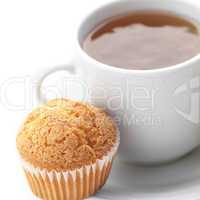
(143, 40)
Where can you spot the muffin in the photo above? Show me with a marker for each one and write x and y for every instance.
(67, 149)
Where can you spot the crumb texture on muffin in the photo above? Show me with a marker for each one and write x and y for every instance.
(65, 135)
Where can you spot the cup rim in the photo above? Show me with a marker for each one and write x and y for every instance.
(109, 67)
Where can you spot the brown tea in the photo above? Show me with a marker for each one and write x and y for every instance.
(144, 40)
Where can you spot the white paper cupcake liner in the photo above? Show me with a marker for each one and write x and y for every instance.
(70, 185)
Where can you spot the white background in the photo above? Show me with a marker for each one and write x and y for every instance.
(33, 34)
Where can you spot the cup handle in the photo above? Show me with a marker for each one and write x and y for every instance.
(44, 72)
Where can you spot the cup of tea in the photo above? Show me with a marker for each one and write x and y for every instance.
(140, 61)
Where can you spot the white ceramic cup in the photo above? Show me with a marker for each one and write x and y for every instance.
(157, 109)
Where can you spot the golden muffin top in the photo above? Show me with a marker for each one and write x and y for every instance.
(65, 135)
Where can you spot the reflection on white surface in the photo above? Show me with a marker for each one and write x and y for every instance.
(178, 180)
